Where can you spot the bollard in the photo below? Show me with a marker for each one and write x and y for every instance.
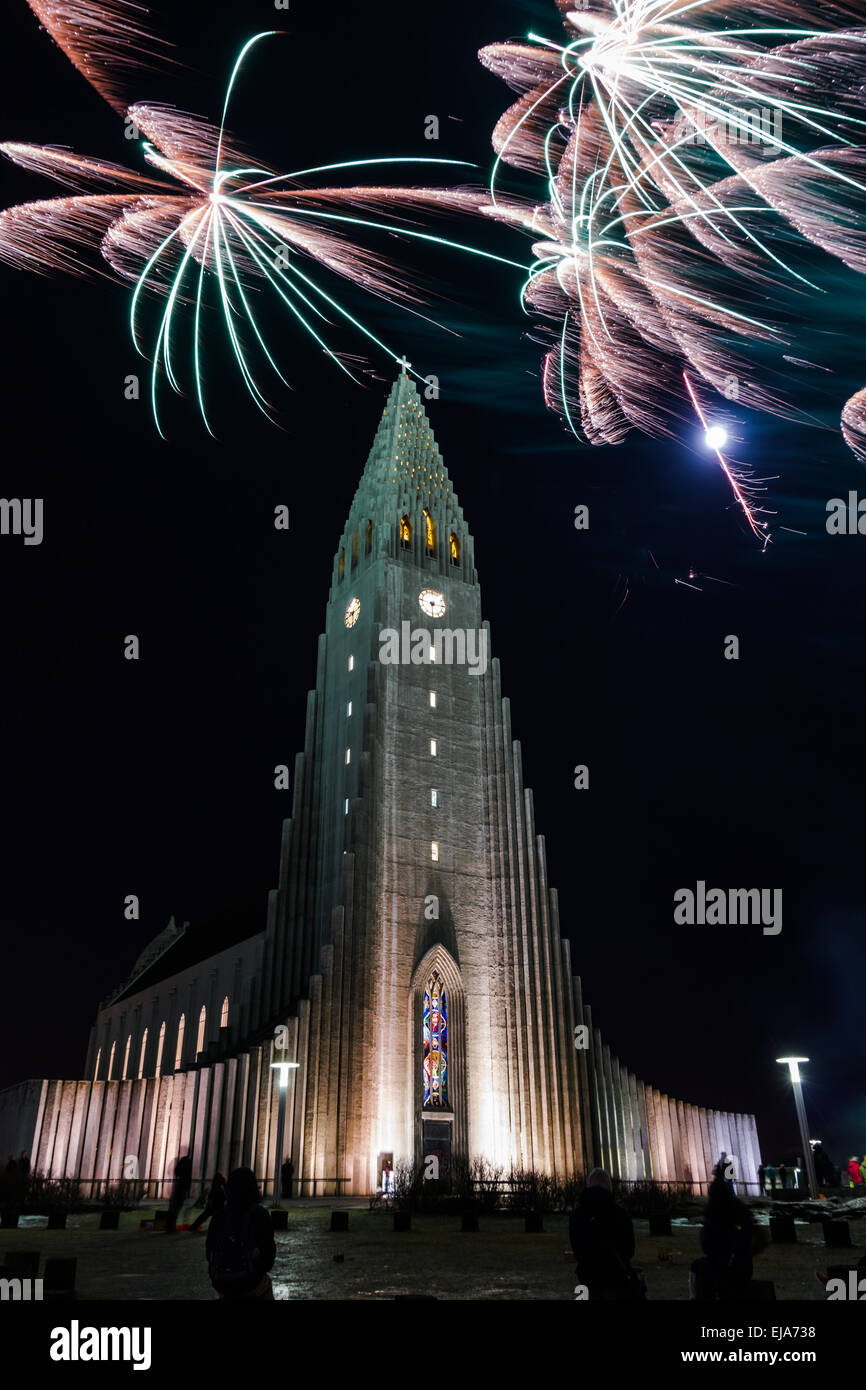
(782, 1230)
(109, 1219)
(761, 1291)
(59, 1281)
(56, 1219)
(279, 1219)
(339, 1221)
(469, 1221)
(660, 1225)
(837, 1233)
(533, 1224)
(402, 1220)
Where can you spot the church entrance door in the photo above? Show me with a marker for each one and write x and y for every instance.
(437, 1144)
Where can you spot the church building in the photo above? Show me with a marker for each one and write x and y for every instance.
(411, 968)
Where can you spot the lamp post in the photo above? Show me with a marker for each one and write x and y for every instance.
(283, 1068)
(793, 1065)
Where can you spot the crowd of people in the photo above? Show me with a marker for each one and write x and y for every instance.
(783, 1175)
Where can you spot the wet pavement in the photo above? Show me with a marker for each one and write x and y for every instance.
(372, 1261)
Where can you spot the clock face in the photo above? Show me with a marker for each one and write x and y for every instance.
(353, 609)
(432, 602)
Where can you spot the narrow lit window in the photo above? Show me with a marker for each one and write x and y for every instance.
(434, 747)
(341, 566)
(159, 1046)
(434, 851)
(349, 710)
(351, 663)
(454, 549)
(348, 755)
(434, 796)
(178, 1056)
(354, 550)
(202, 1024)
(224, 1015)
(141, 1055)
(346, 807)
(368, 539)
(429, 532)
(432, 699)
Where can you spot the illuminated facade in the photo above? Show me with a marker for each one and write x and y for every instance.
(412, 961)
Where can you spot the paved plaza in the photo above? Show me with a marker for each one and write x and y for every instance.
(500, 1261)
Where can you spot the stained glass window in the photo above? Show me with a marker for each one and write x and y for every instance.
(429, 532)
(435, 1045)
(405, 531)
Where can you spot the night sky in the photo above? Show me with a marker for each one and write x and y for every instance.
(156, 777)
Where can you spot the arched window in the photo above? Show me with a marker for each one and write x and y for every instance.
(435, 1045)
(454, 549)
(126, 1056)
(111, 1061)
(159, 1046)
(354, 549)
(405, 532)
(341, 565)
(368, 539)
(141, 1054)
(178, 1056)
(202, 1024)
(429, 532)
(98, 1060)
(224, 1016)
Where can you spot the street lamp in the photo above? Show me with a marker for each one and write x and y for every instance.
(283, 1068)
(793, 1065)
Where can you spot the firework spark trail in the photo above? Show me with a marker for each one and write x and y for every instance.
(675, 212)
(739, 484)
(215, 227)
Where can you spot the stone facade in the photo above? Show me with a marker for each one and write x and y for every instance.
(412, 855)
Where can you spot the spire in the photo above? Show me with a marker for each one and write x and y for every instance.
(404, 467)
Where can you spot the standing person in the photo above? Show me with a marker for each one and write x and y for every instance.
(602, 1238)
(855, 1177)
(728, 1239)
(240, 1241)
(216, 1200)
(179, 1190)
(762, 1178)
(286, 1174)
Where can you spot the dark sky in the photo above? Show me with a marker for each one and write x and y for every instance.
(155, 777)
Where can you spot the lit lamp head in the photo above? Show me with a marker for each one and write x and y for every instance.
(716, 436)
(284, 1068)
(793, 1064)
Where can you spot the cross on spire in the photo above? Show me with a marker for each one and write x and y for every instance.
(404, 363)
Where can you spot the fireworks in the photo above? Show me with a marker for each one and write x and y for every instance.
(691, 152)
(210, 228)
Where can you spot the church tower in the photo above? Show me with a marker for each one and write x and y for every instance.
(413, 906)
(412, 968)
